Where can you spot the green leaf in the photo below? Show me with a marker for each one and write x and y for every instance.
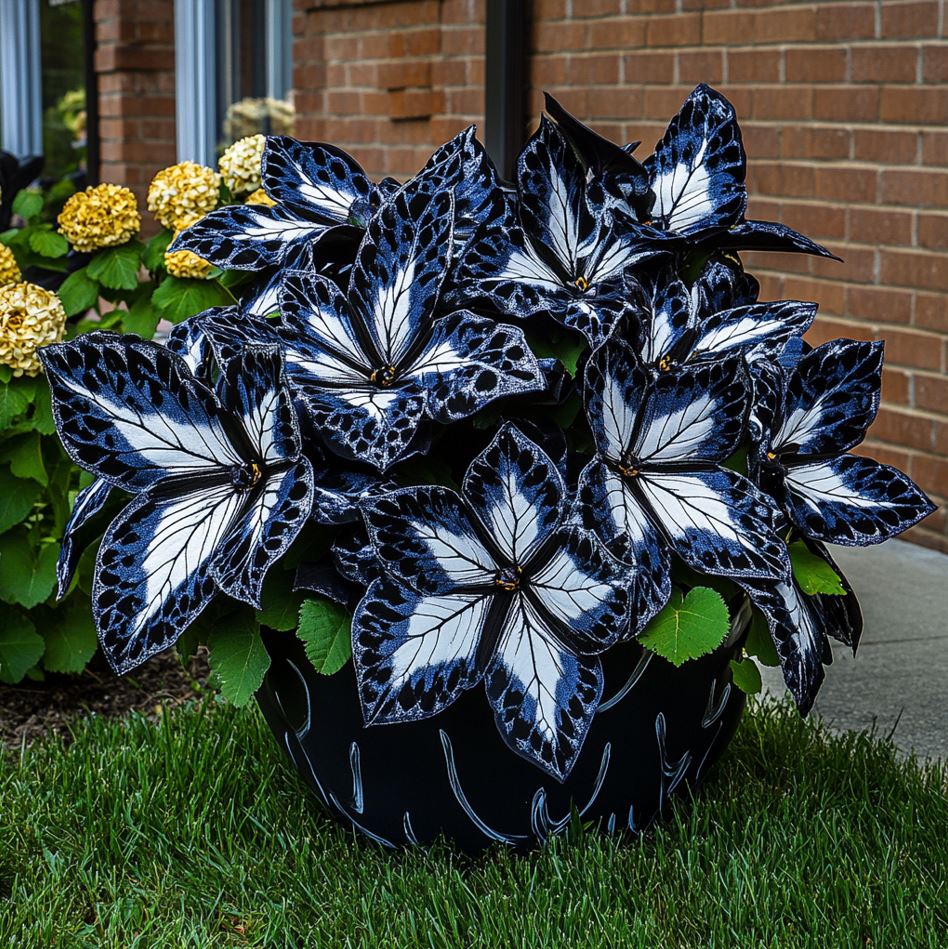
(71, 642)
(281, 603)
(25, 455)
(28, 204)
(117, 267)
(20, 647)
(812, 573)
(567, 348)
(141, 318)
(27, 576)
(79, 292)
(42, 418)
(688, 627)
(239, 660)
(177, 298)
(326, 631)
(746, 676)
(14, 401)
(49, 244)
(760, 643)
(154, 255)
(16, 500)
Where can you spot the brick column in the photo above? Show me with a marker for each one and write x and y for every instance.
(134, 62)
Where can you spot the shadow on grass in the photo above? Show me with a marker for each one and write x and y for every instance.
(194, 832)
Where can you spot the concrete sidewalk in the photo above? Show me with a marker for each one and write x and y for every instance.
(899, 677)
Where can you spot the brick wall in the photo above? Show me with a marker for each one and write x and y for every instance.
(844, 107)
(134, 61)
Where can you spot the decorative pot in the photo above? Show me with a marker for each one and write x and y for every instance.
(657, 730)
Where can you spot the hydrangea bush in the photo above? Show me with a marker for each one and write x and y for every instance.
(475, 436)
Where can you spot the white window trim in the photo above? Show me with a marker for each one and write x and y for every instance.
(21, 104)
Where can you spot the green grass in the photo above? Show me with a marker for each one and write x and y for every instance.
(194, 833)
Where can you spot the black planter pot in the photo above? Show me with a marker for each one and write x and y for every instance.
(657, 730)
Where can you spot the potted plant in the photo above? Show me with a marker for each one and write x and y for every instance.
(495, 498)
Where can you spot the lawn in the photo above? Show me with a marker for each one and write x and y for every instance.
(193, 832)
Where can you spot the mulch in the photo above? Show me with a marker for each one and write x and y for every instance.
(32, 710)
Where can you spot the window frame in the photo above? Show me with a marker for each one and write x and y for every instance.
(21, 103)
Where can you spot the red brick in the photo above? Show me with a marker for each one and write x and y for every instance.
(591, 8)
(884, 63)
(595, 70)
(845, 21)
(910, 19)
(399, 75)
(828, 294)
(849, 183)
(753, 65)
(701, 66)
(885, 146)
(820, 221)
(935, 63)
(727, 28)
(931, 393)
(880, 226)
(895, 386)
(782, 26)
(846, 103)
(649, 67)
(931, 312)
(879, 304)
(927, 189)
(914, 106)
(623, 34)
(680, 30)
(783, 102)
(814, 142)
(902, 427)
(935, 148)
(926, 271)
(558, 36)
(933, 231)
(815, 64)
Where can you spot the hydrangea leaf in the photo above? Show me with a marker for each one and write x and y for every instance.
(281, 604)
(49, 244)
(117, 267)
(812, 573)
(17, 498)
(27, 577)
(70, 642)
(689, 626)
(14, 401)
(239, 660)
(154, 255)
(326, 631)
(746, 676)
(20, 647)
(27, 204)
(178, 298)
(79, 292)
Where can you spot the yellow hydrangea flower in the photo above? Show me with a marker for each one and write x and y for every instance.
(182, 194)
(9, 271)
(260, 197)
(103, 216)
(183, 263)
(30, 317)
(240, 164)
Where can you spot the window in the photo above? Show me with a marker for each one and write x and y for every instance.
(233, 73)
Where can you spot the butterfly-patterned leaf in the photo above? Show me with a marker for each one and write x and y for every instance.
(247, 236)
(424, 538)
(415, 654)
(723, 284)
(831, 399)
(695, 414)
(584, 590)
(153, 572)
(191, 343)
(697, 170)
(760, 326)
(853, 501)
(669, 318)
(716, 521)
(796, 624)
(89, 501)
(313, 180)
(767, 235)
(842, 614)
(544, 697)
(399, 269)
(132, 413)
(353, 556)
(608, 506)
(517, 493)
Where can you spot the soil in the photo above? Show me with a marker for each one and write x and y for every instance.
(32, 710)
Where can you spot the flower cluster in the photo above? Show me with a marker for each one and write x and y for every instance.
(521, 420)
(9, 271)
(248, 115)
(182, 263)
(30, 317)
(182, 194)
(102, 216)
(260, 197)
(239, 164)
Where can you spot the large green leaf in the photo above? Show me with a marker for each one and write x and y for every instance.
(812, 573)
(746, 676)
(154, 255)
(70, 639)
(42, 418)
(141, 318)
(117, 267)
(79, 292)
(14, 401)
(177, 298)
(326, 631)
(688, 627)
(239, 660)
(49, 243)
(28, 204)
(20, 647)
(17, 498)
(25, 455)
(760, 643)
(27, 576)
(281, 603)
